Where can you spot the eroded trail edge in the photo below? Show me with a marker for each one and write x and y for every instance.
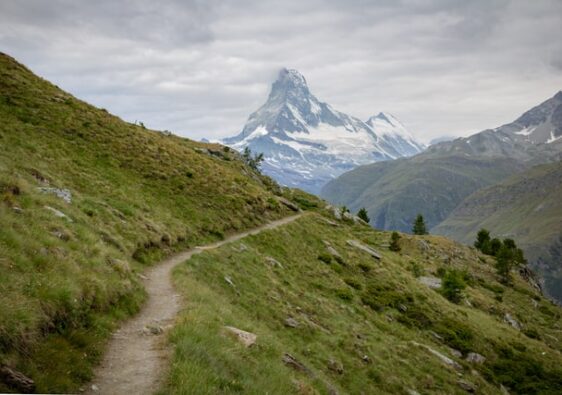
(137, 355)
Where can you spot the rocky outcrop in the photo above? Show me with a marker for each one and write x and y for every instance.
(248, 339)
(364, 248)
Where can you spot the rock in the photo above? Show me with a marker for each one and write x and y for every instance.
(455, 353)
(335, 366)
(430, 281)
(446, 360)
(436, 336)
(17, 210)
(248, 339)
(142, 276)
(229, 281)
(528, 275)
(153, 329)
(364, 248)
(424, 245)
(243, 247)
(504, 390)
(366, 359)
(474, 357)
(467, 386)
(63, 194)
(291, 323)
(291, 361)
(512, 321)
(410, 391)
(273, 262)
(329, 222)
(61, 235)
(287, 203)
(333, 252)
(95, 388)
(16, 380)
(58, 213)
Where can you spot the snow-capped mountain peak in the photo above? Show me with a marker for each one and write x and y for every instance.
(306, 142)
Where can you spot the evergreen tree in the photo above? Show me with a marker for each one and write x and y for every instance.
(453, 285)
(254, 161)
(394, 238)
(482, 240)
(504, 263)
(362, 213)
(495, 245)
(419, 226)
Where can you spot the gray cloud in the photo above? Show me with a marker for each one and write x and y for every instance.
(199, 68)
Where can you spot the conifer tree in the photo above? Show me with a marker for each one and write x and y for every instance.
(394, 238)
(362, 213)
(419, 227)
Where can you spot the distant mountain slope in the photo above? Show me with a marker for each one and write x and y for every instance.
(526, 207)
(307, 143)
(437, 180)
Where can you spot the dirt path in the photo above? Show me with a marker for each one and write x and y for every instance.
(136, 359)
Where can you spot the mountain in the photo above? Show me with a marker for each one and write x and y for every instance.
(528, 208)
(437, 180)
(90, 203)
(306, 142)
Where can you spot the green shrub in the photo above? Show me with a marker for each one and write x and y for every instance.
(394, 239)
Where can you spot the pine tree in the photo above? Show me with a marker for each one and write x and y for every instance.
(504, 263)
(482, 240)
(362, 213)
(394, 238)
(453, 285)
(419, 226)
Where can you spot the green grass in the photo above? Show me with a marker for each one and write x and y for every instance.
(137, 196)
(363, 314)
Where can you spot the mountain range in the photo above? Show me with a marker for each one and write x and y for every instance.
(438, 180)
(306, 142)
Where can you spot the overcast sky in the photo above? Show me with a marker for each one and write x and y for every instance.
(199, 68)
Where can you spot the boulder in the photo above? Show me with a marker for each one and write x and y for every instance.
(291, 323)
(512, 321)
(16, 380)
(291, 361)
(58, 213)
(63, 194)
(287, 203)
(364, 248)
(430, 281)
(446, 360)
(248, 339)
(273, 262)
(474, 357)
(467, 386)
(335, 366)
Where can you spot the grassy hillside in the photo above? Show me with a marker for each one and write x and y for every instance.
(526, 207)
(69, 268)
(329, 318)
(394, 192)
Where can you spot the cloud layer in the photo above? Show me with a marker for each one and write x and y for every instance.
(199, 68)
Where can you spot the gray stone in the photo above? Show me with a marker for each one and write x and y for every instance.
(467, 386)
(58, 213)
(291, 361)
(153, 329)
(430, 281)
(273, 262)
(512, 321)
(16, 380)
(17, 210)
(364, 248)
(288, 204)
(291, 323)
(335, 366)
(474, 357)
(229, 281)
(63, 194)
(455, 353)
(248, 339)
(446, 360)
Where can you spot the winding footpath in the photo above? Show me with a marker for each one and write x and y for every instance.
(137, 357)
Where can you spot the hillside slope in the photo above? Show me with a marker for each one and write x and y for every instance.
(330, 318)
(86, 201)
(526, 207)
(437, 180)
